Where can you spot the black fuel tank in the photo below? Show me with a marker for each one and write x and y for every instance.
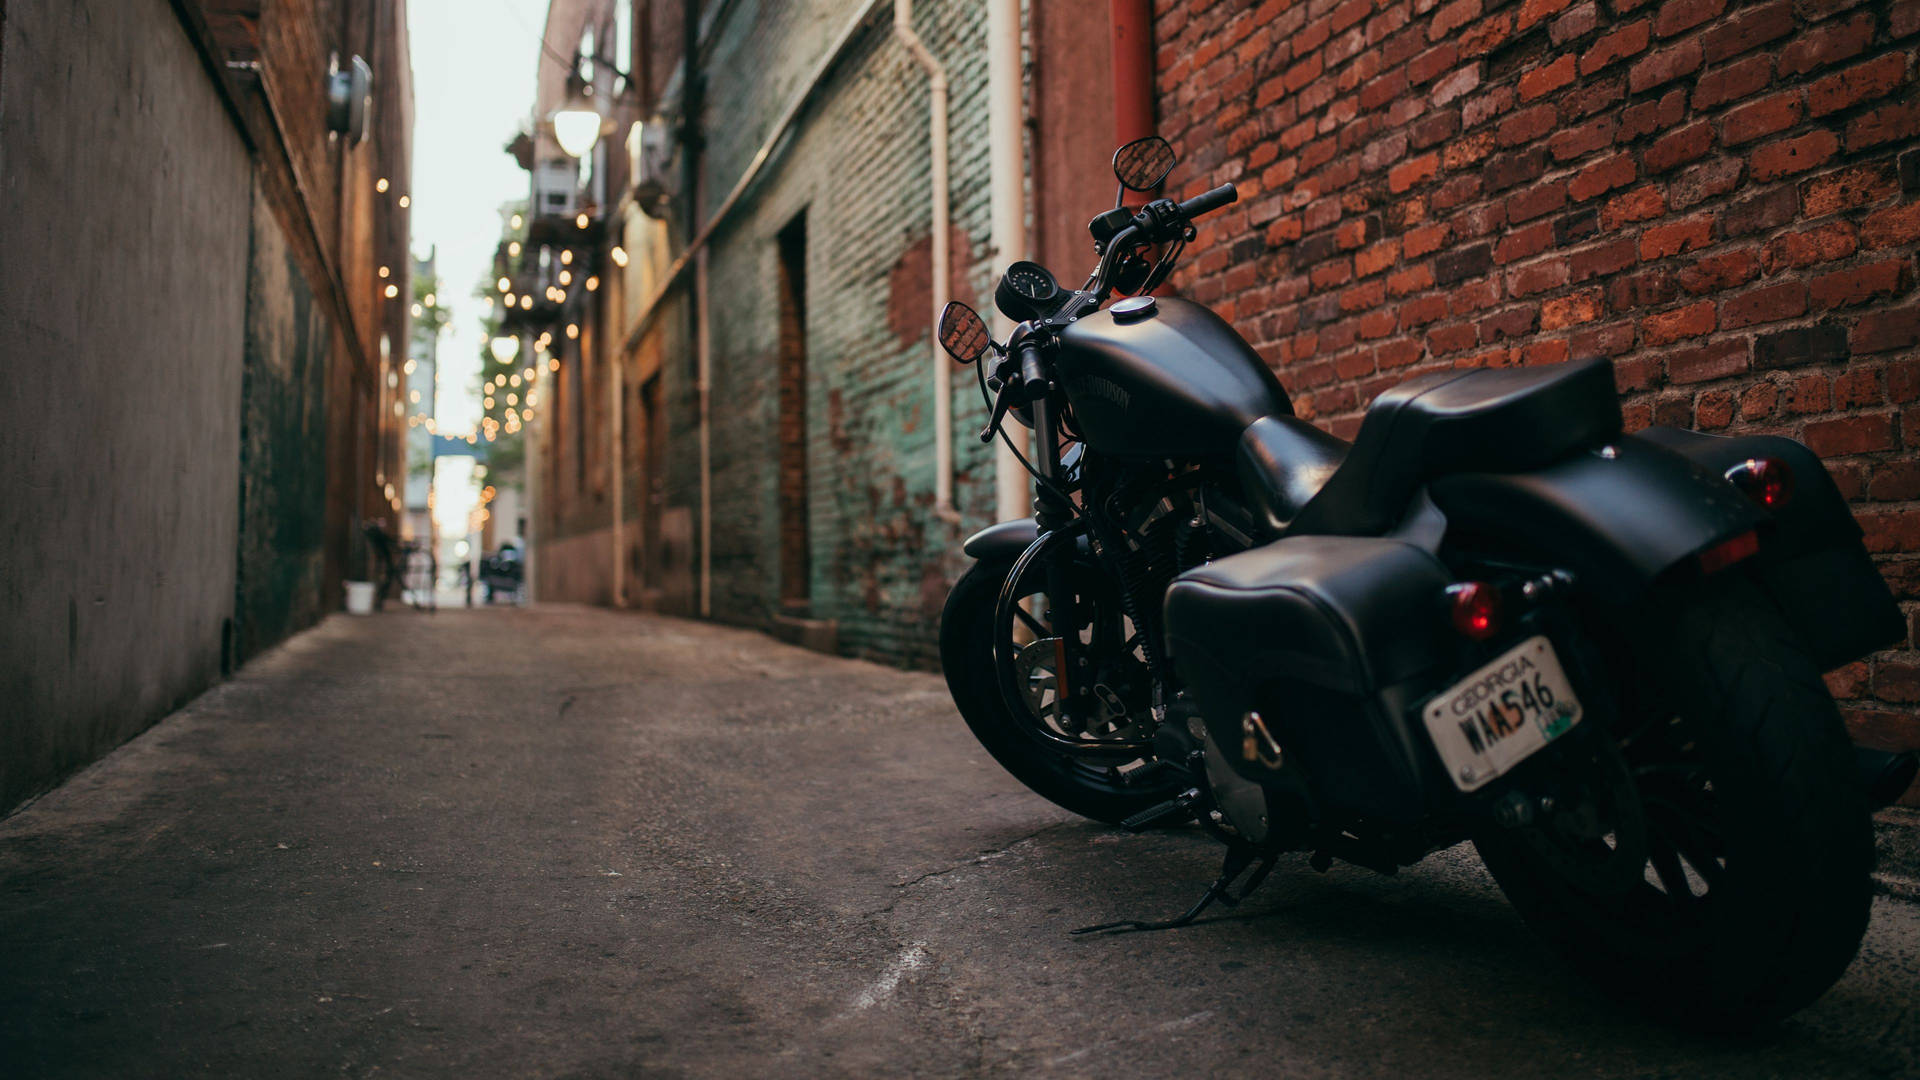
(1176, 382)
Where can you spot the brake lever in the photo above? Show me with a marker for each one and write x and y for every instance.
(1002, 403)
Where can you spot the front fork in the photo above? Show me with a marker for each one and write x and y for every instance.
(1073, 671)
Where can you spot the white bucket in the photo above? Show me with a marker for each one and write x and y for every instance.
(359, 597)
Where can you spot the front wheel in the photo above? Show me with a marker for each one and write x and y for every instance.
(1718, 873)
(1088, 784)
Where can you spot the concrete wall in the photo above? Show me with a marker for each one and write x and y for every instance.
(124, 223)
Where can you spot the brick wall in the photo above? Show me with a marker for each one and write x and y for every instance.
(1723, 198)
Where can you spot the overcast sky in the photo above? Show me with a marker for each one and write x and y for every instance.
(473, 83)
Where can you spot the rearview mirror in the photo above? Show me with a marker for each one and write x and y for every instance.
(1143, 163)
(962, 332)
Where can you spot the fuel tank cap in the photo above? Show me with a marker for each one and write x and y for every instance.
(1133, 308)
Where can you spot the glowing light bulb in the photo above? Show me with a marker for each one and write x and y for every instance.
(566, 257)
(406, 201)
(573, 331)
(618, 255)
(580, 220)
(380, 184)
(593, 283)
(393, 291)
(504, 285)
(386, 272)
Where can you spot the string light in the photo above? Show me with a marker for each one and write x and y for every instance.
(430, 303)
(566, 277)
(386, 272)
(509, 299)
(526, 303)
(380, 185)
(393, 291)
(573, 331)
(518, 221)
(566, 257)
(593, 283)
(553, 363)
(514, 248)
(418, 311)
(580, 220)
(406, 201)
(504, 285)
(526, 414)
(619, 255)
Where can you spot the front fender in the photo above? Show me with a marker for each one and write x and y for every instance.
(1617, 522)
(1005, 540)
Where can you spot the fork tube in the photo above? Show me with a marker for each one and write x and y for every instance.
(1062, 613)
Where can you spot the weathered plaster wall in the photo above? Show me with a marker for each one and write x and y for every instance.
(124, 223)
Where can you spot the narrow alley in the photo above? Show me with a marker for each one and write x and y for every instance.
(561, 841)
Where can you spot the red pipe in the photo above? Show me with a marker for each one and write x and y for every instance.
(1133, 90)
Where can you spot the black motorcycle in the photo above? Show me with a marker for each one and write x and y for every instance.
(1491, 617)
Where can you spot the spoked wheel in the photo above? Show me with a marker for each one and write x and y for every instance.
(1074, 764)
(1709, 859)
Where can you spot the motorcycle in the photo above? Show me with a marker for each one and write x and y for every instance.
(1492, 617)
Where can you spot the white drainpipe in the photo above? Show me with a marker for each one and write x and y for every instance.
(1007, 161)
(940, 277)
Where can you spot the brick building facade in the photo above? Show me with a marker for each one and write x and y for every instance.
(1724, 198)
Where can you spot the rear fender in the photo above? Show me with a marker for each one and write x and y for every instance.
(1619, 517)
(1812, 563)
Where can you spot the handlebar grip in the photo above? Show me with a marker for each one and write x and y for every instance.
(1208, 201)
(1033, 373)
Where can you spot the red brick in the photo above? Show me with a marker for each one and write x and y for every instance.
(1376, 258)
(1522, 243)
(1526, 125)
(1570, 310)
(1661, 241)
(1888, 123)
(1826, 44)
(1704, 181)
(1537, 277)
(1758, 401)
(1626, 41)
(1750, 29)
(1578, 22)
(1862, 82)
(1650, 288)
(1408, 173)
(1904, 20)
(1452, 339)
(1897, 682)
(1451, 17)
(1670, 326)
(1881, 331)
(1422, 311)
(1903, 380)
(1424, 240)
(1532, 11)
(1895, 481)
(1850, 435)
(1892, 227)
(1584, 139)
(1707, 362)
(1665, 66)
(1787, 300)
(1535, 201)
(1547, 78)
(1860, 284)
(1433, 63)
(1734, 81)
(1679, 147)
(1808, 394)
(1601, 177)
(1602, 259)
(1718, 273)
(1641, 204)
(1817, 245)
(1713, 410)
(1680, 15)
(1849, 189)
(1651, 116)
(1795, 155)
(1856, 388)
(1757, 119)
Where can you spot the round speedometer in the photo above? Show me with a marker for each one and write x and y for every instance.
(1026, 290)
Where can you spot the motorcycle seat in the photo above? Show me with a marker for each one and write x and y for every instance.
(1481, 420)
(1284, 461)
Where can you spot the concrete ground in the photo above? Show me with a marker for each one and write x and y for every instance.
(560, 842)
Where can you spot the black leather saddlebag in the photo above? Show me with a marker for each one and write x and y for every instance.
(1812, 561)
(1329, 639)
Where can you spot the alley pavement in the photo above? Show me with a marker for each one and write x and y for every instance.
(566, 842)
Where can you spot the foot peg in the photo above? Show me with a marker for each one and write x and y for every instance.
(1177, 808)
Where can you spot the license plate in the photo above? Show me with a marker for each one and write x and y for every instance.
(1493, 719)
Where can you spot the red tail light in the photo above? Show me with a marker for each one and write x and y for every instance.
(1767, 481)
(1727, 552)
(1474, 607)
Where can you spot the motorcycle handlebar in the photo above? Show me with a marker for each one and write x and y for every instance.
(1032, 372)
(1208, 201)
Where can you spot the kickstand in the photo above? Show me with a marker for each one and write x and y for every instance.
(1239, 857)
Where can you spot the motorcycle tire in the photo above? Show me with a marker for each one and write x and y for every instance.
(1783, 914)
(967, 660)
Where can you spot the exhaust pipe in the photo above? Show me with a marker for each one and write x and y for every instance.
(1886, 775)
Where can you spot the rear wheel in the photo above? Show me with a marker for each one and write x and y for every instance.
(1087, 783)
(1712, 863)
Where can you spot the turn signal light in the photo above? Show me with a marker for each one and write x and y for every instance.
(1474, 607)
(1767, 481)
(1727, 552)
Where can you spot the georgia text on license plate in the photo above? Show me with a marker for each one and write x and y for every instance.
(1494, 718)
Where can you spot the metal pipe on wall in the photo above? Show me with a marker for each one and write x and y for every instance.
(1007, 162)
(940, 278)
(1132, 25)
